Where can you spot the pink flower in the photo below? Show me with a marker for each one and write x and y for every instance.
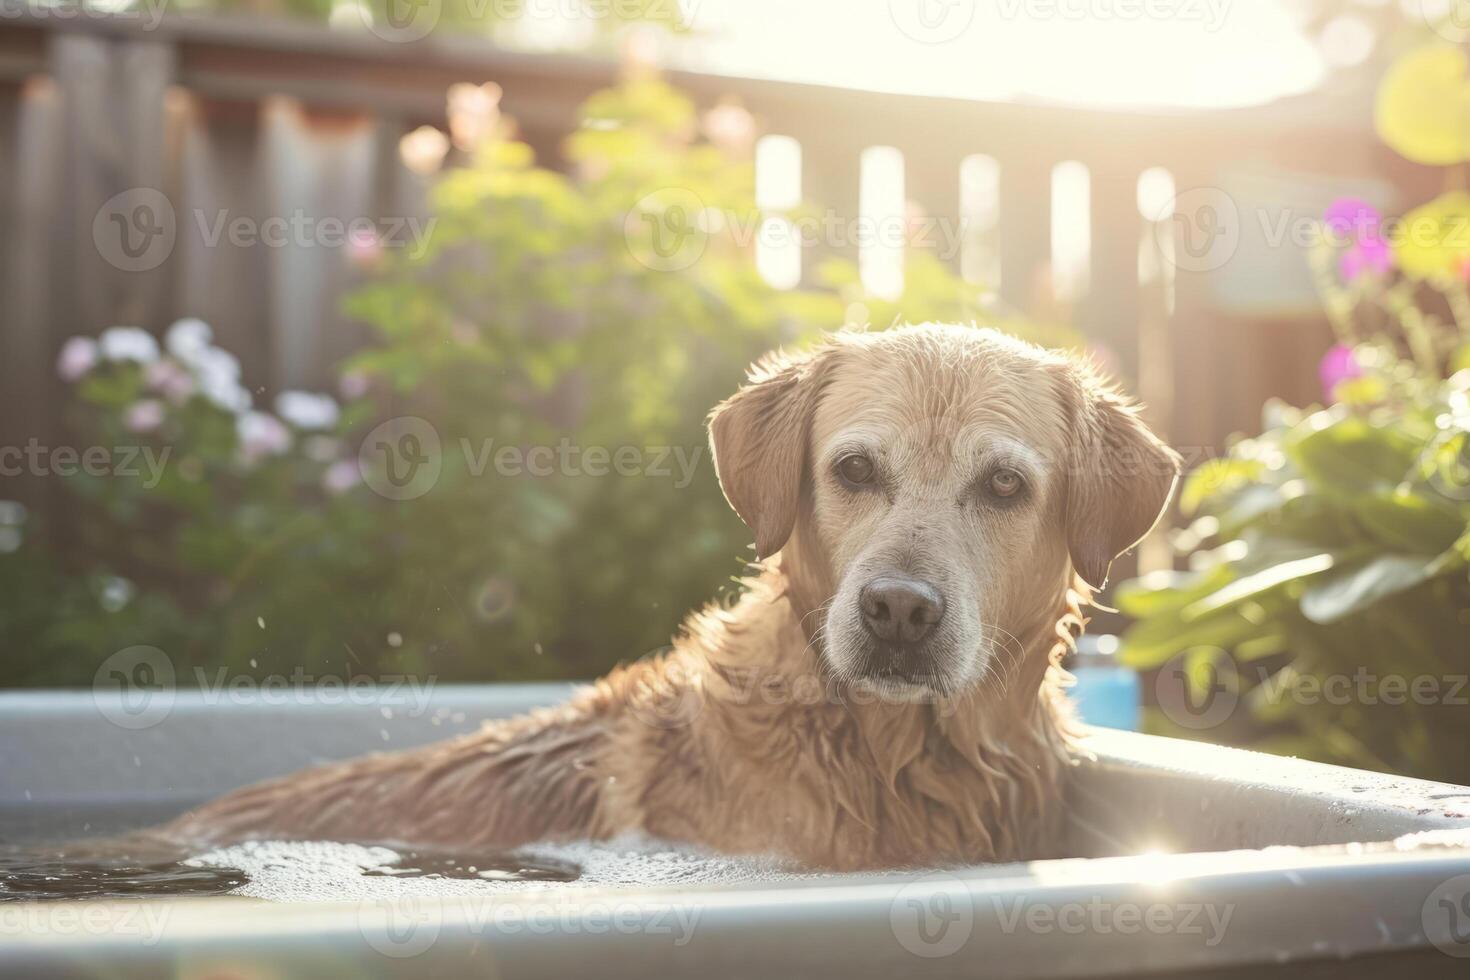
(144, 416)
(261, 435)
(341, 476)
(364, 247)
(353, 385)
(423, 150)
(730, 127)
(1337, 365)
(170, 379)
(78, 356)
(474, 113)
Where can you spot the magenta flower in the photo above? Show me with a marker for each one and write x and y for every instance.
(1337, 365)
(1358, 224)
(1350, 217)
(1365, 255)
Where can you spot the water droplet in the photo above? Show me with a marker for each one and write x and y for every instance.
(116, 593)
(495, 600)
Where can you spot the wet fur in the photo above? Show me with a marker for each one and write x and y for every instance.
(743, 738)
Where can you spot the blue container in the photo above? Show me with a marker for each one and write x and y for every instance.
(1107, 692)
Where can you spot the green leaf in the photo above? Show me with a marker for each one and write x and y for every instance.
(1408, 523)
(1217, 477)
(1356, 589)
(1348, 455)
(1263, 581)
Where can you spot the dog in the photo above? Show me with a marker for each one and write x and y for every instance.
(932, 507)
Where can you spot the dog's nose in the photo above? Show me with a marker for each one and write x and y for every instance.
(898, 609)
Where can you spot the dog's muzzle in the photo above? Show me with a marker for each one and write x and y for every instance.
(899, 613)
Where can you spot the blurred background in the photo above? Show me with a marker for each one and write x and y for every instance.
(356, 337)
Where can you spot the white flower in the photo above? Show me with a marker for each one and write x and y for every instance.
(306, 410)
(227, 395)
(144, 416)
(78, 356)
(128, 344)
(188, 340)
(261, 435)
(219, 380)
(218, 362)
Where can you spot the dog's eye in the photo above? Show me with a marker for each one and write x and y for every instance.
(855, 469)
(1005, 483)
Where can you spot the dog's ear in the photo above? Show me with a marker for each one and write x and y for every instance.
(1120, 476)
(758, 438)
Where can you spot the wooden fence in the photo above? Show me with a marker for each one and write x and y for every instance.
(256, 118)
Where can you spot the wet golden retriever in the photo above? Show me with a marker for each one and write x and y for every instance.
(930, 505)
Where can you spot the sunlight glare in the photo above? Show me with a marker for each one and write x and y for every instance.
(1213, 53)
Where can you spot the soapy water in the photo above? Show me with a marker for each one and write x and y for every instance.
(55, 875)
(307, 871)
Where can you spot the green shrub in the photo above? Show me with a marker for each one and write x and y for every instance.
(1326, 611)
(1330, 581)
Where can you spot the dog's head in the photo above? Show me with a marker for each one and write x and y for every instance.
(933, 488)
